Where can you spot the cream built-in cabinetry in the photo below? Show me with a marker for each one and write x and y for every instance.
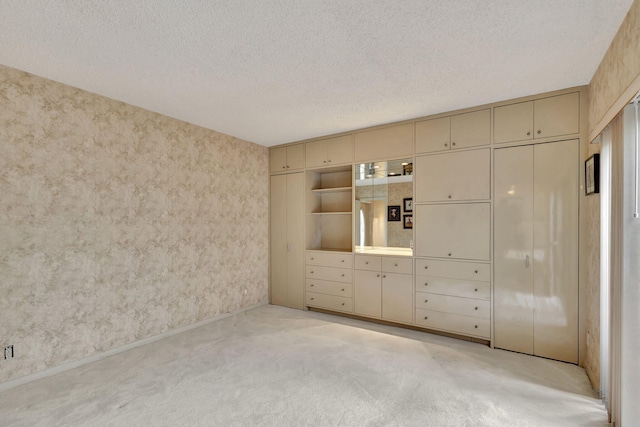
(541, 118)
(473, 224)
(287, 239)
(287, 159)
(454, 132)
(329, 152)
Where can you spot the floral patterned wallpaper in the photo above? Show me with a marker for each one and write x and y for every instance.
(118, 224)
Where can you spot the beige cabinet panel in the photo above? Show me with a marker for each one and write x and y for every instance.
(541, 118)
(536, 249)
(456, 305)
(328, 259)
(383, 144)
(471, 129)
(454, 269)
(453, 176)
(287, 240)
(397, 265)
(555, 245)
(397, 297)
(329, 273)
(453, 230)
(329, 302)
(513, 245)
(329, 152)
(433, 135)
(513, 122)
(287, 159)
(454, 287)
(557, 115)
(368, 262)
(329, 288)
(455, 323)
(368, 293)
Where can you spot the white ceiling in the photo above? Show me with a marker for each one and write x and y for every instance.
(283, 70)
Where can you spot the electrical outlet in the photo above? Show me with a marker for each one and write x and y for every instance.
(8, 352)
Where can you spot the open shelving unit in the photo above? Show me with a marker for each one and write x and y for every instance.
(329, 208)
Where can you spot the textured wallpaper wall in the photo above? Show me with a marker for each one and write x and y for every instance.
(118, 224)
(618, 69)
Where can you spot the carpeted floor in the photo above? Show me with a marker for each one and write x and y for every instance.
(279, 367)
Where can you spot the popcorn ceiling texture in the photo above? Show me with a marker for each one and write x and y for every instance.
(118, 223)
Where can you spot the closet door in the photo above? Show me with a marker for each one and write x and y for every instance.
(513, 243)
(555, 285)
(286, 229)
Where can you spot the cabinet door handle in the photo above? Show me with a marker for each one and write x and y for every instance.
(539, 131)
(426, 300)
(476, 308)
(343, 291)
(378, 275)
(342, 275)
(446, 145)
(312, 285)
(449, 253)
(475, 290)
(426, 266)
(476, 271)
(283, 167)
(329, 161)
(526, 261)
(342, 303)
(395, 265)
(341, 260)
(426, 284)
(449, 195)
(384, 276)
(311, 271)
(453, 144)
(528, 133)
(476, 326)
(311, 299)
(426, 317)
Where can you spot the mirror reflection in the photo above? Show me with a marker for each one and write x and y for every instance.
(384, 207)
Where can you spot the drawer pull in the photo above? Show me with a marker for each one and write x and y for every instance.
(449, 195)
(311, 299)
(384, 276)
(539, 131)
(426, 284)
(342, 261)
(342, 275)
(395, 265)
(528, 133)
(312, 285)
(476, 308)
(475, 290)
(366, 262)
(343, 291)
(426, 300)
(312, 258)
(377, 275)
(449, 253)
(476, 271)
(426, 266)
(426, 317)
(311, 271)
(343, 304)
(476, 326)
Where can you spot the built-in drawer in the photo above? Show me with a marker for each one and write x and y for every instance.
(329, 302)
(453, 287)
(397, 265)
(328, 273)
(453, 269)
(329, 259)
(368, 262)
(455, 305)
(330, 288)
(455, 323)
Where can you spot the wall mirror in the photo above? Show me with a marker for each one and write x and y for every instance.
(384, 207)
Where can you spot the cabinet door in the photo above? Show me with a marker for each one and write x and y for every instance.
(555, 245)
(295, 240)
(278, 160)
(453, 176)
(397, 297)
(513, 122)
(339, 150)
(433, 135)
(367, 293)
(278, 233)
(386, 143)
(453, 230)
(513, 243)
(295, 157)
(316, 154)
(471, 129)
(557, 115)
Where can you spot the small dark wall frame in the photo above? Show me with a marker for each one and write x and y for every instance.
(408, 204)
(393, 213)
(407, 221)
(592, 174)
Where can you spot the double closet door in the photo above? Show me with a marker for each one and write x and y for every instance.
(536, 249)
(287, 240)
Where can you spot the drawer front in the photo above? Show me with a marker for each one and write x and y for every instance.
(368, 262)
(453, 287)
(455, 323)
(455, 305)
(397, 265)
(329, 259)
(343, 275)
(329, 302)
(454, 269)
(330, 288)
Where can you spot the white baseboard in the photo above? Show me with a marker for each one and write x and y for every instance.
(99, 356)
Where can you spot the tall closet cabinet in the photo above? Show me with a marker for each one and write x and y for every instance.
(536, 249)
(287, 240)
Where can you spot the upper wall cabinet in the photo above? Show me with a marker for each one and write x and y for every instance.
(459, 131)
(542, 118)
(330, 152)
(289, 158)
(383, 144)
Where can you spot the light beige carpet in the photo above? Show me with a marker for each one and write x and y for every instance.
(277, 367)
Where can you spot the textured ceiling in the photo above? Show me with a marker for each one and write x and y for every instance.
(284, 70)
